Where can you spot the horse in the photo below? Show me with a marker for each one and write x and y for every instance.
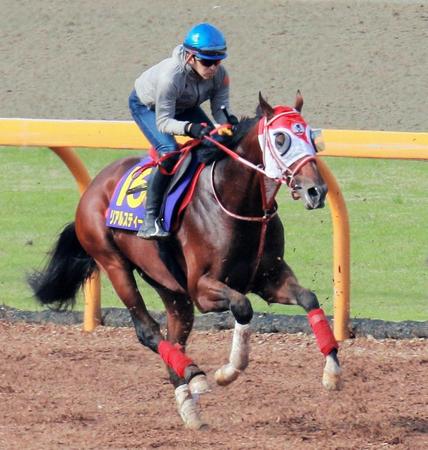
(229, 242)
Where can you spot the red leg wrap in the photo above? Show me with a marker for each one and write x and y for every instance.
(322, 331)
(174, 357)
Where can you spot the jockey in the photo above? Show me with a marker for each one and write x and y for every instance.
(166, 102)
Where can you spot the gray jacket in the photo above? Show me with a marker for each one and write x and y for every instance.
(172, 86)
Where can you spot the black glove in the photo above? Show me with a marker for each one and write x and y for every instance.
(197, 130)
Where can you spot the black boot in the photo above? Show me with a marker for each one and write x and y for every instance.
(152, 227)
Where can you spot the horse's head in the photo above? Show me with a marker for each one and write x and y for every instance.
(289, 151)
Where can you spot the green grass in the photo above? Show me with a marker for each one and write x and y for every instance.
(387, 205)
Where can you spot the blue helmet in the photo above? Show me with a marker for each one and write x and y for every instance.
(206, 41)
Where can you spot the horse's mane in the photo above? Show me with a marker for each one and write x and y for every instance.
(241, 130)
(208, 152)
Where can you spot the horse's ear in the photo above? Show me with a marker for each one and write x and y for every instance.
(264, 107)
(299, 101)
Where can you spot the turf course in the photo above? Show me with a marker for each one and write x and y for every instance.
(387, 205)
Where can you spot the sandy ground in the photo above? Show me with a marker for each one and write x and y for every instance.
(359, 64)
(62, 388)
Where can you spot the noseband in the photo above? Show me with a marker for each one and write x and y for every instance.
(290, 176)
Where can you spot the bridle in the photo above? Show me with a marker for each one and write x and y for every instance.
(268, 203)
(289, 175)
(288, 178)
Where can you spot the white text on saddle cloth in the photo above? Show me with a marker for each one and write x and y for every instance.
(297, 144)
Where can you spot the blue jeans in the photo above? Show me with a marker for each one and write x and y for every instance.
(146, 120)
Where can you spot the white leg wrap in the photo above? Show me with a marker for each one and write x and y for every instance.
(240, 352)
(199, 385)
(331, 378)
(188, 408)
(239, 356)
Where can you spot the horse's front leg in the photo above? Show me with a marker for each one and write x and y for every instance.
(279, 285)
(238, 357)
(212, 295)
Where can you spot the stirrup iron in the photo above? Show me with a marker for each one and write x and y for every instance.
(153, 230)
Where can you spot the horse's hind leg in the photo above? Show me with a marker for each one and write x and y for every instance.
(147, 329)
(180, 316)
(279, 285)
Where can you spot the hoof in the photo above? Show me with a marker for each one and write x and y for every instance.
(191, 418)
(198, 385)
(196, 424)
(226, 375)
(332, 380)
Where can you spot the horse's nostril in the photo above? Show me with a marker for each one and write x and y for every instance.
(313, 192)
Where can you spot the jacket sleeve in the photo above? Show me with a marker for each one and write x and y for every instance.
(166, 97)
(220, 96)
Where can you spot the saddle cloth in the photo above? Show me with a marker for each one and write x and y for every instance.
(126, 210)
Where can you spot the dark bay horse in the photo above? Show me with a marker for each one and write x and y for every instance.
(230, 241)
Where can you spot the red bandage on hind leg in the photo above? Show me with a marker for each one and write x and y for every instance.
(322, 331)
(174, 357)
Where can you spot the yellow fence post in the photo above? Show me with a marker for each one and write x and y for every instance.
(92, 294)
(91, 289)
(341, 253)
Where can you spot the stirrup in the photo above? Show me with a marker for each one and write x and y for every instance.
(153, 230)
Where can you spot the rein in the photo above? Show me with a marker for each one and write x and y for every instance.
(268, 204)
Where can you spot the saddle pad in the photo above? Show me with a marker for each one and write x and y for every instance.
(126, 211)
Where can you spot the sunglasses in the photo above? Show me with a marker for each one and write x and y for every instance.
(208, 62)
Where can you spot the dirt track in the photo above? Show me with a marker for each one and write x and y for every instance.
(62, 388)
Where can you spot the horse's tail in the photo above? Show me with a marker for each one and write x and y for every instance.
(67, 269)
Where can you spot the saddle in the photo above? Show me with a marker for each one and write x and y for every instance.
(127, 206)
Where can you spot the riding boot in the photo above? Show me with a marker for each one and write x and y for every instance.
(152, 227)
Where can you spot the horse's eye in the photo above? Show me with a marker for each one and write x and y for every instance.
(282, 143)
